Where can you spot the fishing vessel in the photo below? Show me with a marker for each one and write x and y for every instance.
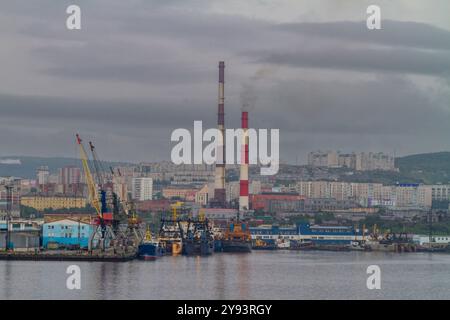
(199, 239)
(171, 236)
(237, 237)
(150, 249)
(171, 232)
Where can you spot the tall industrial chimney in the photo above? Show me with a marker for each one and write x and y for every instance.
(243, 184)
(219, 191)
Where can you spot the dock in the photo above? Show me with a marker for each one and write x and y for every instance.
(69, 256)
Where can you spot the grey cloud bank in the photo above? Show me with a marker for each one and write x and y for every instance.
(137, 71)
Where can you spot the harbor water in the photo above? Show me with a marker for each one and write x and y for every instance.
(258, 275)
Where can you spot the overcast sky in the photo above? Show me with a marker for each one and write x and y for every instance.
(140, 69)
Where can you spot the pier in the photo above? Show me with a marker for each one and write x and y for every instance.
(69, 256)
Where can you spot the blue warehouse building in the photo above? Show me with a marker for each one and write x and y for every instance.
(329, 234)
(66, 233)
(306, 232)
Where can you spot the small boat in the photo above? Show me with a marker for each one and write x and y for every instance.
(260, 244)
(358, 246)
(283, 244)
(301, 245)
(150, 249)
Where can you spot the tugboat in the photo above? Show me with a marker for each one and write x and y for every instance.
(237, 237)
(199, 238)
(149, 249)
(260, 244)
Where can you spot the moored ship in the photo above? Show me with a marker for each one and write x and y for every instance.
(171, 236)
(198, 238)
(150, 249)
(237, 237)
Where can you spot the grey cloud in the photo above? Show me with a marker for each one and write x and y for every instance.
(174, 52)
(390, 60)
(393, 33)
(105, 113)
(400, 47)
(124, 130)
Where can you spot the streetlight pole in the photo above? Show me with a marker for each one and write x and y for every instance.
(9, 189)
(430, 227)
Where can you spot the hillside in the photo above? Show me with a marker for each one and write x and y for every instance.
(28, 165)
(428, 168)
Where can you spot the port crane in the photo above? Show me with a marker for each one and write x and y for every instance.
(103, 233)
(133, 232)
(124, 221)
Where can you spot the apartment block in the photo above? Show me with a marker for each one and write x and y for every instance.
(356, 161)
(41, 203)
(142, 189)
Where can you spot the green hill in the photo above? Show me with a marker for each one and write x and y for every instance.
(429, 168)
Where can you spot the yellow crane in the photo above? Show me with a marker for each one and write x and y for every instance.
(175, 206)
(92, 187)
(201, 214)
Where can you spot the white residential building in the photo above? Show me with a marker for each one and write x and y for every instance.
(142, 189)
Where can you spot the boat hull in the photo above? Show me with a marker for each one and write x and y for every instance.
(236, 246)
(150, 251)
(217, 245)
(192, 248)
(172, 247)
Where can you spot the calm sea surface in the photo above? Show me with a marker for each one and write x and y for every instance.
(259, 275)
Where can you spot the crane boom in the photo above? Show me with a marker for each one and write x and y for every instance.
(97, 166)
(92, 188)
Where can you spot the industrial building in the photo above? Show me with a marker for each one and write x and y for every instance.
(23, 235)
(66, 233)
(278, 202)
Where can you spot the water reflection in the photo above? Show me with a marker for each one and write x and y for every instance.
(259, 275)
(243, 277)
(220, 279)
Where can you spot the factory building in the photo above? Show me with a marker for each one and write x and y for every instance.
(24, 235)
(278, 202)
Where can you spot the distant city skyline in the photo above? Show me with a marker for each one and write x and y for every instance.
(14, 159)
(133, 74)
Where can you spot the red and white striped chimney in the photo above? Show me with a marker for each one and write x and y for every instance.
(219, 188)
(243, 184)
